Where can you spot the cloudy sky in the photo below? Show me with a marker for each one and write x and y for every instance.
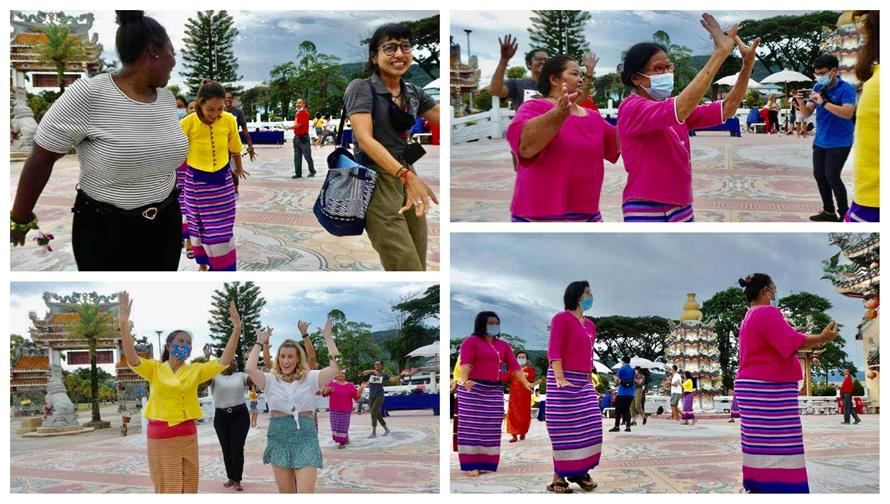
(269, 38)
(186, 305)
(609, 33)
(523, 276)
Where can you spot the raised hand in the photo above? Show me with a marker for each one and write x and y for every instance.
(748, 52)
(326, 332)
(234, 317)
(831, 330)
(125, 304)
(303, 327)
(724, 41)
(508, 47)
(207, 351)
(263, 335)
(590, 61)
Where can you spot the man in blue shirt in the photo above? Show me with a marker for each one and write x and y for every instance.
(626, 387)
(834, 101)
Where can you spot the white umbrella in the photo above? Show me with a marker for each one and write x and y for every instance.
(639, 361)
(433, 84)
(785, 76)
(431, 350)
(730, 80)
(601, 368)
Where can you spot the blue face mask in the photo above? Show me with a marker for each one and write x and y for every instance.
(587, 303)
(181, 351)
(774, 301)
(181, 112)
(493, 330)
(662, 86)
(823, 79)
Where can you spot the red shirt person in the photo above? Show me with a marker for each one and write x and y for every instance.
(302, 144)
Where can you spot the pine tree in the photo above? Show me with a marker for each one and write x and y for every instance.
(560, 32)
(208, 51)
(249, 301)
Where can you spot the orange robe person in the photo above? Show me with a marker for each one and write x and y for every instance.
(519, 411)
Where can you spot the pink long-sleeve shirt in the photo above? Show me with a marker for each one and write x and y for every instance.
(768, 346)
(566, 176)
(656, 150)
(571, 342)
(491, 362)
(342, 395)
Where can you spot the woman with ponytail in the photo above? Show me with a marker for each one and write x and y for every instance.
(129, 143)
(173, 401)
(766, 390)
(209, 188)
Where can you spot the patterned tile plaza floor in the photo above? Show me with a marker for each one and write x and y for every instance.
(275, 227)
(666, 457)
(755, 178)
(102, 462)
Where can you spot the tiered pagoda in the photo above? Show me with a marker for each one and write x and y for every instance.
(692, 346)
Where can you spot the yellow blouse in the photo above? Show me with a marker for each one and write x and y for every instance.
(173, 397)
(867, 144)
(210, 144)
(687, 386)
(456, 372)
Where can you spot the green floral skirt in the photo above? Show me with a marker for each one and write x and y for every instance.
(288, 446)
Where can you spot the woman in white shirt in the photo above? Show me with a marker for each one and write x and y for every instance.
(231, 419)
(292, 438)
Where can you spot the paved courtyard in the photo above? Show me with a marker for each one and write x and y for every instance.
(102, 462)
(666, 457)
(275, 228)
(755, 178)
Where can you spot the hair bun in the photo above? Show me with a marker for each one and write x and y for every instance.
(129, 16)
(743, 282)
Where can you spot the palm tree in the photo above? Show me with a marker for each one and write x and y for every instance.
(93, 323)
(61, 48)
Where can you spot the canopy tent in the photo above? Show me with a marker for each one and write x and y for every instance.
(431, 350)
(601, 368)
(730, 80)
(434, 84)
(639, 361)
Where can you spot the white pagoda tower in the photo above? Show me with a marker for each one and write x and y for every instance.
(692, 346)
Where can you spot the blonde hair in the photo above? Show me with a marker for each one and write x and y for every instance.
(300, 370)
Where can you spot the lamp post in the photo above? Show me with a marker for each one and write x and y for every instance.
(468, 63)
(158, 332)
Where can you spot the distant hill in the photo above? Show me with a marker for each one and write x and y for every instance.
(381, 336)
(415, 74)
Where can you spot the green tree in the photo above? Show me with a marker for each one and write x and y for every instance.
(254, 99)
(175, 89)
(617, 336)
(319, 79)
(93, 323)
(249, 302)
(354, 342)
(791, 42)
(282, 87)
(416, 329)
(724, 311)
(60, 48)
(807, 312)
(607, 86)
(680, 56)
(560, 32)
(482, 101)
(516, 72)
(207, 52)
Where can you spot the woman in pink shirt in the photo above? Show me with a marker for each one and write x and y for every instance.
(766, 388)
(574, 421)
(485, 363)
(654, 127)
(559, 147)
(341, 394)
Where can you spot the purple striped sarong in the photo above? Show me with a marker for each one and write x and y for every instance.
(574, 423)
(481, 412)
(340, 426)
(772, 438)
(210, 204)
(651, 211)
(687, 406)
(566, 217)
(180, 185)
(734, 408)
(862, 213)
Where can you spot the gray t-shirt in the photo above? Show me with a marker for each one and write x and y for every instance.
(516, 90)
(357, 99)
(239, 117)
(228, 390)
(375, 384)
(128, 150)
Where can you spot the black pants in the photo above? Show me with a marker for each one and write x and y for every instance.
(622, 409)
(104, 239)
(849, 409)
(827, 166)
(377, 413)
(774, 120)
(232, 426)
(302, 148)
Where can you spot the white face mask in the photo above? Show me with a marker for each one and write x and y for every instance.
(522, 361)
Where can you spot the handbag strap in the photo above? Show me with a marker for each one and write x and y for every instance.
(343, 113)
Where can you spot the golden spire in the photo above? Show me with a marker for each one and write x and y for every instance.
(691, 310)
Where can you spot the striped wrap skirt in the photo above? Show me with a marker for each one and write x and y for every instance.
(173, 456)
(772, 437)
(566, 217)
(574, 423)
(180, 185)
(210, 207)
(734, 408)
(687, 406)
(651, 211)
(340, 426)
(481, 412)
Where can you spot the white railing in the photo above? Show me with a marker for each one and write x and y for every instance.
(484, 125)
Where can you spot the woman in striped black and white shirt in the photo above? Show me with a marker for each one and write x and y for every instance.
(129, 144)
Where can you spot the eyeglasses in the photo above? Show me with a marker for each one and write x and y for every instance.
(390, 49)
(662, 69)
(540, 60)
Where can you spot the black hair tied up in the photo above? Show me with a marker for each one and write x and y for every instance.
(210, 89)
(135, 32)
(555, 66)
(753, 284)
(480, 325)
(573, 293)
(636, 58)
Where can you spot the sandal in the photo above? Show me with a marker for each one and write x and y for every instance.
(190, 254)
(585, 482)
(559, 487)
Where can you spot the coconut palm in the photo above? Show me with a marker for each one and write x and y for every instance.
(60, 48)
(93, 323)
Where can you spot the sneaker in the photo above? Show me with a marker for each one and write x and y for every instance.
(824, 216)
(845, 423)
(627, 429)
(857, 421)
(614, 429)
(385, 431)
(373, 435)
(312, 174)
(297, 176)
(644, 420)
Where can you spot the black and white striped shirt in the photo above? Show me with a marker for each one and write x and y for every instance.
(128, 150)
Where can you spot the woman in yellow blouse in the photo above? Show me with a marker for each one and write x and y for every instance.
(173, 401)
(866, 205)
(687, 400)
(208, 189)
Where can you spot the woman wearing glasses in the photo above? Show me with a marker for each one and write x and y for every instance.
(382, 109)
(653, 126)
